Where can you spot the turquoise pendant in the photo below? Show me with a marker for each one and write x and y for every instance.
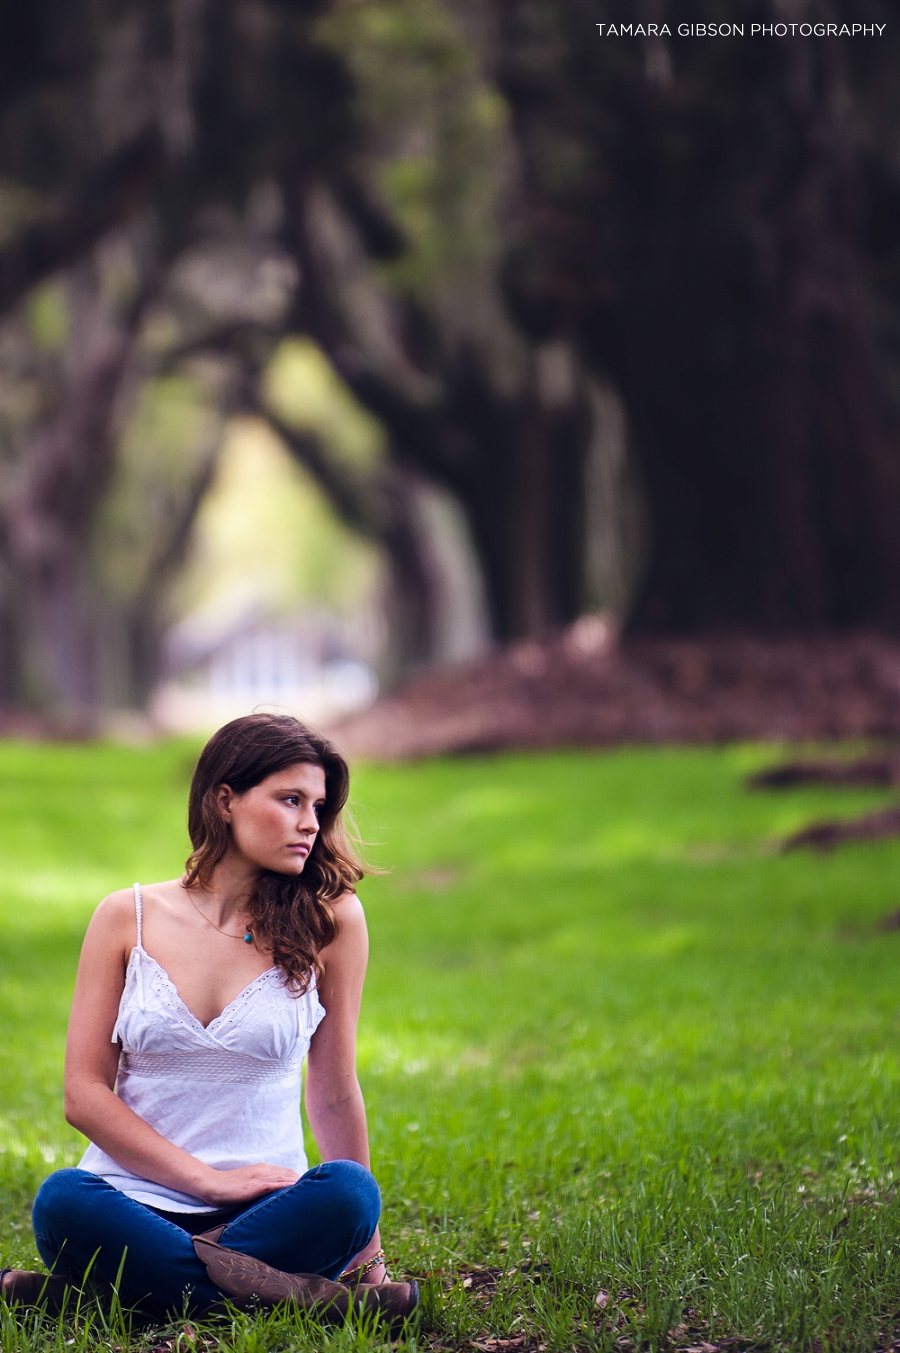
(248, 938)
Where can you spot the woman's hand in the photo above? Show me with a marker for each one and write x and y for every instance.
(222, 1188)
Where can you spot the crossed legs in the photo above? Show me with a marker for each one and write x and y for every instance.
(316, 1226)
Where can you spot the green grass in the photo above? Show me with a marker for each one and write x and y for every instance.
(613, 1043)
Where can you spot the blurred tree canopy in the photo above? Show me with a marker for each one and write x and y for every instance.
(716, 223)
(632, 302)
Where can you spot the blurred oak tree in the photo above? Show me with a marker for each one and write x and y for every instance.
(704, 229)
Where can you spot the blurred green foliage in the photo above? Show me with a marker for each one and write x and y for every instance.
(174, 426)
(48, 317)
(303, 389)
(435, 131)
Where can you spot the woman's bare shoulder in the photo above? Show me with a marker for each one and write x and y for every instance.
(348, 909)
(111, 930)
(118, 910)
(116, 906)
(352, 937)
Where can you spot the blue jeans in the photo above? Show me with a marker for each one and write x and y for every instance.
(315, 1226)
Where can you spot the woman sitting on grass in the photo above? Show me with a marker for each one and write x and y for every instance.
(195, 1004)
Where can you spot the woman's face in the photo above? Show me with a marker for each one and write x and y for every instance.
(274, 825)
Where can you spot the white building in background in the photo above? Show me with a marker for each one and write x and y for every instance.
(307, 664)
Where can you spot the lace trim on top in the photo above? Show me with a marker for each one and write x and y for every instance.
(167, 991)
(210, 1065)
(309, 1011)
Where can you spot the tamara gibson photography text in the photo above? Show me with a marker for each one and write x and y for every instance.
(739, 30)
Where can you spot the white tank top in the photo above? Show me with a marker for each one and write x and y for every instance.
(228, 1093)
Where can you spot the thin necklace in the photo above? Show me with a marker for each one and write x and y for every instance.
(247, 937)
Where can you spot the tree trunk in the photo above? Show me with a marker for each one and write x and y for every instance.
(712, 257)
(64, 473)
(523, 493)
(773, 474)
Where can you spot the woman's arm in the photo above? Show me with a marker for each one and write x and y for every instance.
(91, 1064)
(334, 1102)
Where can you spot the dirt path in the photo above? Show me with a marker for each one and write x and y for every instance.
(582, 689)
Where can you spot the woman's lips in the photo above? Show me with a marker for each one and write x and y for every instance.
(300, 848)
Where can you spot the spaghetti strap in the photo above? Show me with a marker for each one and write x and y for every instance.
(138, 912)
(139, 916)
(135, 959)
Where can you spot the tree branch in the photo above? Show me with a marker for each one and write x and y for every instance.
(107, 197)
(422, 436)
(363, 502)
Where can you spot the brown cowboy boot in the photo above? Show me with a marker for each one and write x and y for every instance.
(246, 1279)
(23, 1288)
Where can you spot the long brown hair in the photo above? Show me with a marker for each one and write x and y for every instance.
(290, 914)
